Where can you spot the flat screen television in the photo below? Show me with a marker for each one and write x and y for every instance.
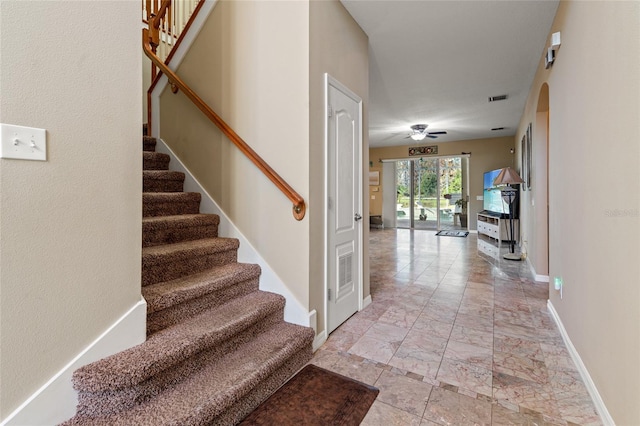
(493, 203)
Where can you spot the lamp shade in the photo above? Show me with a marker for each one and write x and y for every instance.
(418, 136)
(507, 176)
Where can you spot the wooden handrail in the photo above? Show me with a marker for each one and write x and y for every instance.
(156, 76)
(299, 207)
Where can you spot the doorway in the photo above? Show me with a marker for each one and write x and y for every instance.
(430, 193)
(344, 203)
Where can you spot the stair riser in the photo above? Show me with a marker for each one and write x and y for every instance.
(148, 145)
(171, 208)
(171, 269)
(238, 411)
(157, 321)
(169, 236)
(104, 403)
(162, 185)
(154, 163)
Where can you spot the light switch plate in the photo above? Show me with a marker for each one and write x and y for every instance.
(23, 143)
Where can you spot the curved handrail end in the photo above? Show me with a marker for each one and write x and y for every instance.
(299, 210)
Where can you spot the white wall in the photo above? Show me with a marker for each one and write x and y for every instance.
(594, 192)
(70, 227)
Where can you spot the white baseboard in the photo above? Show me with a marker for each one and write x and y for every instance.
(294, 311)
(56, 400)
(536, 276)
(582, 369)
(313, 321)
(366, 301)
(319, 340)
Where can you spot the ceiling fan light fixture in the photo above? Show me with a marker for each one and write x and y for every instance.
(418, 132)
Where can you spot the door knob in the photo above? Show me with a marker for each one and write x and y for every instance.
(357, 217)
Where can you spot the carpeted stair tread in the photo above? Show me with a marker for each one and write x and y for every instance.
(170, 203)
(162, 181)
(152, 160)
(158, 254)
(173, 345)
(163, 174)
(169, 293)
(170, 261)
(176, 228)
(217, 387)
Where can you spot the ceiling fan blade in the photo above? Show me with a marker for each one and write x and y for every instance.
(432, 137)
(438, 133)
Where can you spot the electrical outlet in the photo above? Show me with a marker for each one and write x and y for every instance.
(23, 143)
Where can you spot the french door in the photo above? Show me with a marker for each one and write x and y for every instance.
(426, 193)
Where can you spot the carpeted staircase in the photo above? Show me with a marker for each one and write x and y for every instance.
(216, 345)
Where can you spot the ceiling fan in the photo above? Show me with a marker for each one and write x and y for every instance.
(419, 132)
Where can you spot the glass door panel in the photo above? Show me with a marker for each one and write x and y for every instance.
(425, 190)
(450, 183)
(403, 194)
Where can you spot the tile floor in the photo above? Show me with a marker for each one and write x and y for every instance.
(454, 337)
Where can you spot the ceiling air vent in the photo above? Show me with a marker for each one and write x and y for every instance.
(497, 128)
(497, 98)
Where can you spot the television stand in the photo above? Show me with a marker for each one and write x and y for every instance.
(492, 231)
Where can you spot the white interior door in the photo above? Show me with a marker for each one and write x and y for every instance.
(344, 203)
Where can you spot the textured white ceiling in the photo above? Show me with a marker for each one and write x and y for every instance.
(437, 62)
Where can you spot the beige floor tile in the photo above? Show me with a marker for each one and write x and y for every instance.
(470, 377)
(433, 327)
(471, 354)
(503, 416)
(383, 414)
(472, 336)
(400, 317)
(522, 367)
(343, 364)
(450, 408)
(387, 332)
(374, 349)
(403, 392)
(518, 346)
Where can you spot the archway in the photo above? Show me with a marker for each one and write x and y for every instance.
(540, 183)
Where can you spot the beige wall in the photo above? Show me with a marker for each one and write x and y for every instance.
(250, 63)
(70, 226)
(338, 46)
(486, 154)
(146, 83)
(594, 192)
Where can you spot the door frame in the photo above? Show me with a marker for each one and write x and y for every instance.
(331, 81)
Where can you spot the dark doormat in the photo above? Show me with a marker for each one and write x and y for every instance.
(315, 396)
(452, 233)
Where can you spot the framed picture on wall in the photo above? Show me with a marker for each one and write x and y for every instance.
(374, 178)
